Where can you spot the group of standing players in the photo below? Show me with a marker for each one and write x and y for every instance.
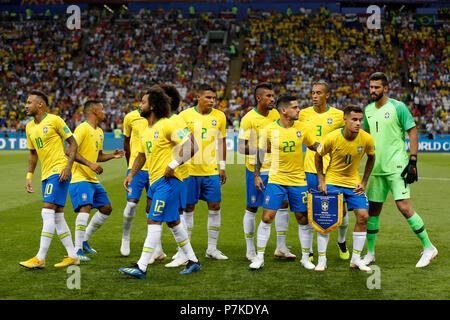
(173, 157)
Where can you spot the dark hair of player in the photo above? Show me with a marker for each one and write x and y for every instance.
(352, 108)
(40, 94)
(174, 95)
(264, 85)
(379, 76)
(205, 87)
(88, 105)
(159, 100)
(285, 100)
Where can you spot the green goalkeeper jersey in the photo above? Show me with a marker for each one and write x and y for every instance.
(388, 125)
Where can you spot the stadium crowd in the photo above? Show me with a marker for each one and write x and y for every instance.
(119, 54)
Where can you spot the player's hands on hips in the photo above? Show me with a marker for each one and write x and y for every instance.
(29, 186)
(409, 174)
(127, 182)
(323, 187)
(118, 153)
(259, 184)
(65, 174)
(223, 176)
(359, 189)
(169, 173)
(96, 168)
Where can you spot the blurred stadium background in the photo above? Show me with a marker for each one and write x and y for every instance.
(123, 47)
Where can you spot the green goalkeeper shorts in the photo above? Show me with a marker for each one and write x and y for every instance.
(378, 188)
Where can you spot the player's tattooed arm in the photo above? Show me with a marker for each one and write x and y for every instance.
(260, 154)
(137, 166)
(80, 159)
(71, 152)
(32, 162)
(126, 148)
(187, 151)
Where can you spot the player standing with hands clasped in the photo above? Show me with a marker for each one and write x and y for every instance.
(387, 120)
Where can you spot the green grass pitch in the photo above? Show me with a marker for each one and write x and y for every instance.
(398, 249)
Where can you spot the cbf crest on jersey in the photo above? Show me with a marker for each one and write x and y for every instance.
(330, 121)
(214, 122)
(387, 115)
(360, 148)
(45, 130)
(156, 135)
(299, 134)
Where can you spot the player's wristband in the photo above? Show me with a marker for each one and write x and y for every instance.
(222, 164)
(29, 175)
(173, 164)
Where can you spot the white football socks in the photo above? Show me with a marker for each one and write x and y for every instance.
(281, 226)
(262, 236)
(152, 241)
(80, 229)
(128, 217)
(96, 222)
(213, 228)
(48, 228)
(305, 235)
(249, 229)
(63, 231)
(181, 238)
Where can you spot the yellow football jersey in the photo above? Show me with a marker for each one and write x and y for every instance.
(345, 156)
(287, 155)
(181, 124)
(132, 124)
(206, 130)
(157, 143)
(321, 124)
(251, 125)
(90, 143)
(47, 138)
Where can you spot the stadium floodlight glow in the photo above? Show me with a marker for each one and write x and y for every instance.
(125, 7)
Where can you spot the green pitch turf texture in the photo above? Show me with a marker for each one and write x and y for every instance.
(398, 249)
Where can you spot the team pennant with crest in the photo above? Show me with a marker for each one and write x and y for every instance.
(325, 211)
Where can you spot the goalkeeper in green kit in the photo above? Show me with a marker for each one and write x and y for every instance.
(387, 120)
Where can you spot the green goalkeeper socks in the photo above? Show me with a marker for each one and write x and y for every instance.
(372, 230)
(418, 227)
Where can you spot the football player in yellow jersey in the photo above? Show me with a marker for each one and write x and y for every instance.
(249, 132)
(157, 145)
(45, 137)
(284, 140)
(132, 124)
(346, 147)
(323, 119)
(205, 179)
(179, 259)
(85, 190)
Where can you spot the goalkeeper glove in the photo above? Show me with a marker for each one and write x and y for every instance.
(409, 174)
